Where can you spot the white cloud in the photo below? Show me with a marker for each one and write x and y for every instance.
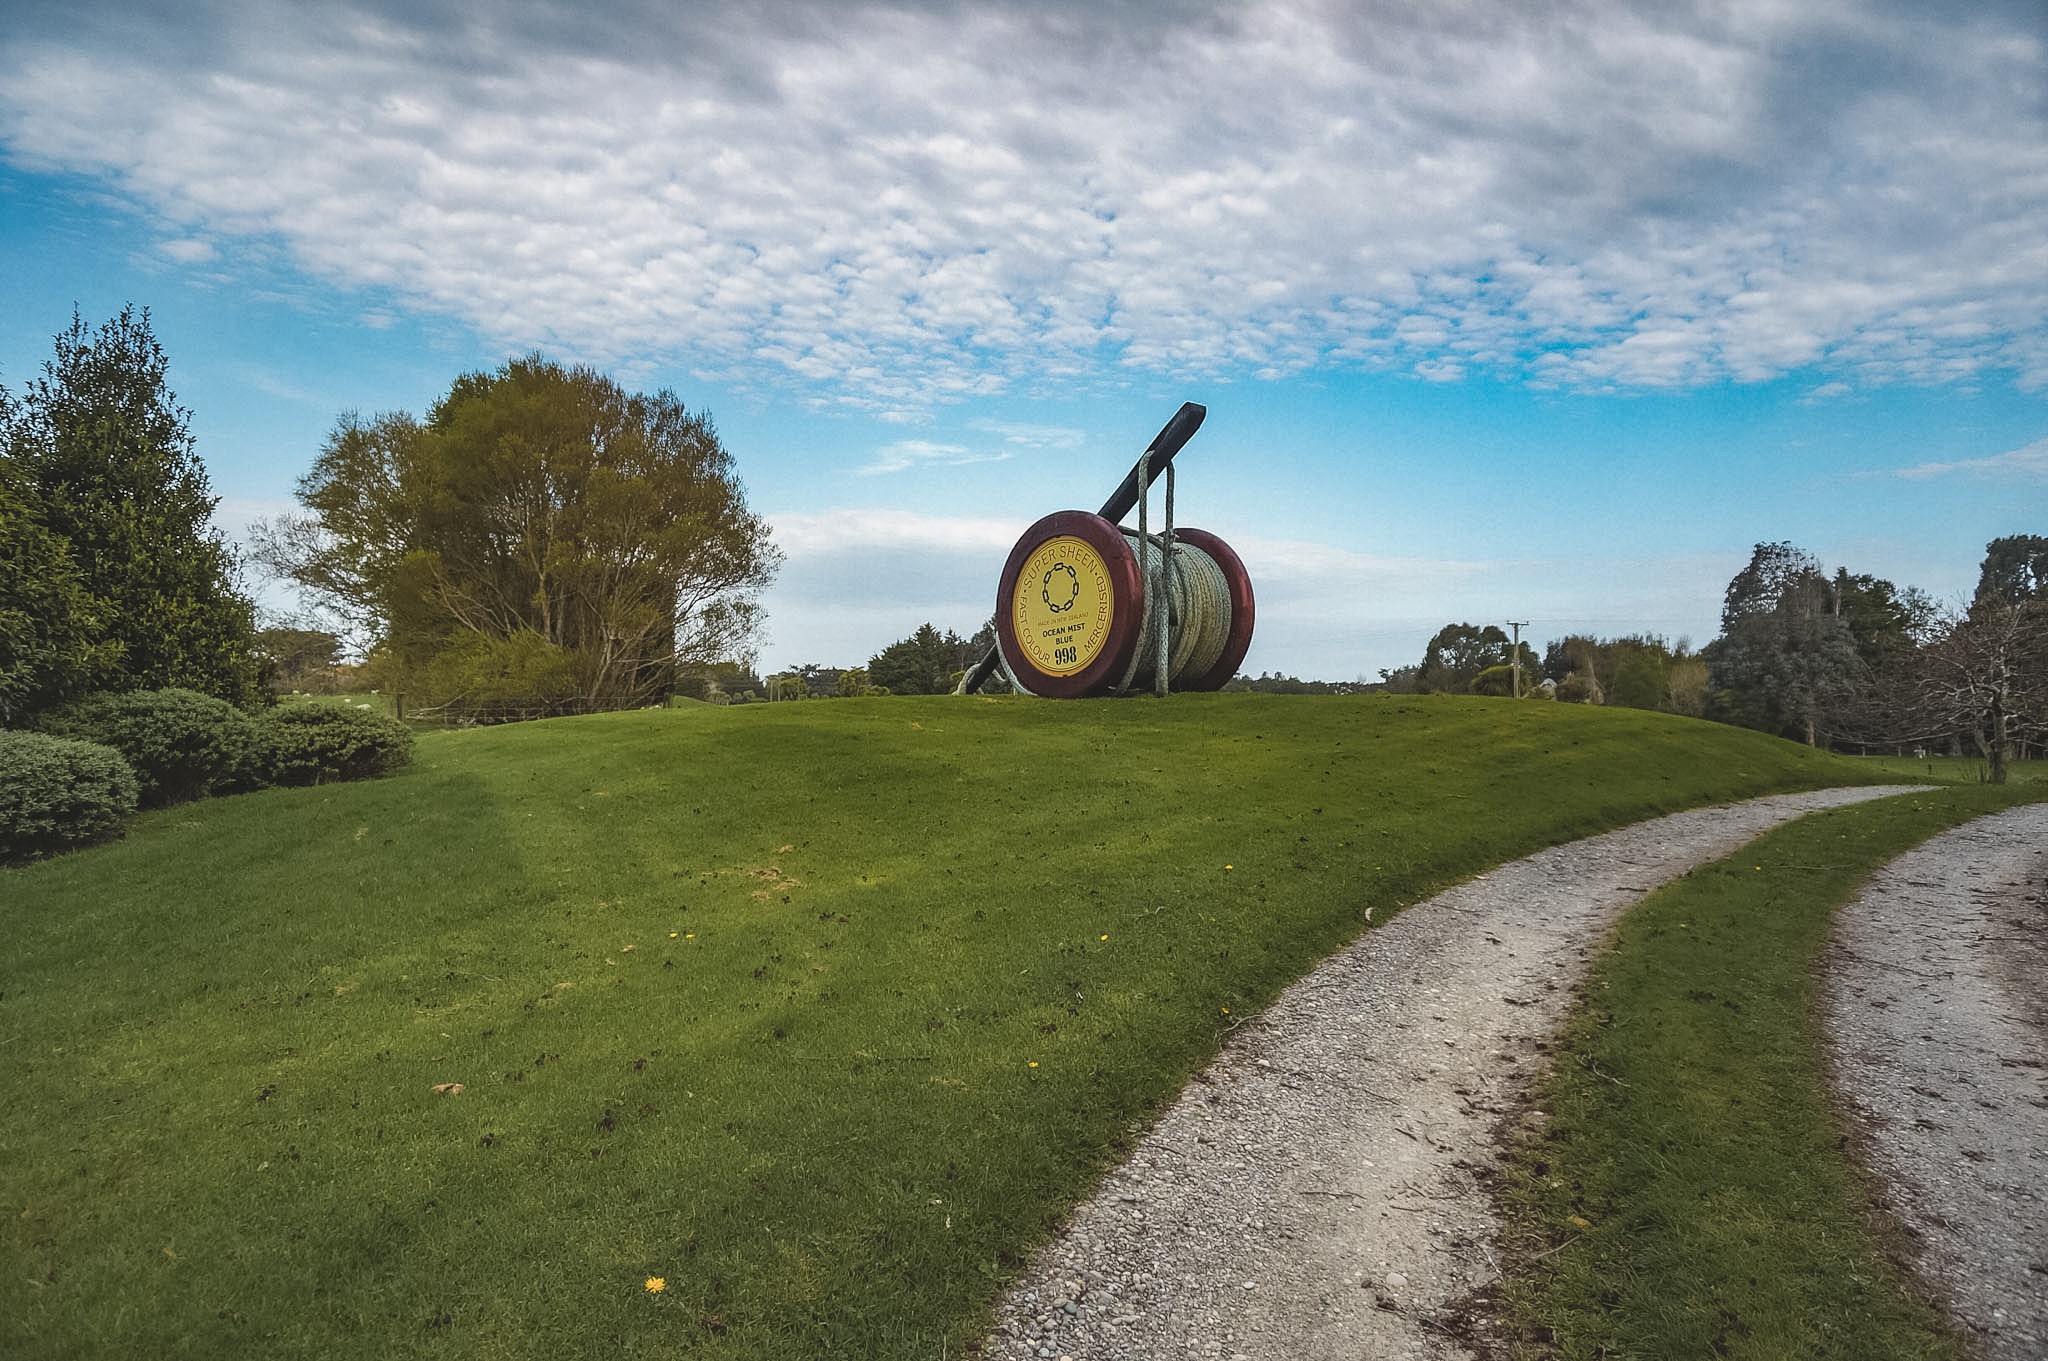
(1035, 436)
(855, 580)
(815, 533)
(2029, 464)
(904, 455)
(187, 251)
(916, 205)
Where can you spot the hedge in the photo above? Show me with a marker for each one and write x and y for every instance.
(59, 792)
(182, 744)
(319, 743)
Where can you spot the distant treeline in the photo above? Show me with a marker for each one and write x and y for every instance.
(1843, 660)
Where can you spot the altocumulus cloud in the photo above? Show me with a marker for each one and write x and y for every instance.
(923, 202)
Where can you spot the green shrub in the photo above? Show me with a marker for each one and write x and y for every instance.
(58, 792)
(320, 743)
(182, 744)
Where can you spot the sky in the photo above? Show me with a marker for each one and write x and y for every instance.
(1500, 311)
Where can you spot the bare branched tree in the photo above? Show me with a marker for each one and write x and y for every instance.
(1985, 679)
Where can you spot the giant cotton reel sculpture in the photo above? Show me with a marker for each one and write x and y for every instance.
(1086, 608)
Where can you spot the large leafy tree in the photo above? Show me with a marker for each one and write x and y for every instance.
(1458, 653)
(104, 461)
(543, 535)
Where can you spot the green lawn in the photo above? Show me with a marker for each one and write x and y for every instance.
(1691, 1193)
(821, 1013)
(1952, 769)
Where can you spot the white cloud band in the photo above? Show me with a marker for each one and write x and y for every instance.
(921, 203)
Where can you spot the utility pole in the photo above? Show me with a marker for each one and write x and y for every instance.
(1515, 657)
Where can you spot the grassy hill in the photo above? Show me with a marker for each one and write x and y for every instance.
(820, 1014)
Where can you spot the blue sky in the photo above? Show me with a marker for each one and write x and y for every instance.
(1500, 311)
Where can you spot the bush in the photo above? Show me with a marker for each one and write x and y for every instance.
(319, 743)
(58, 792)
(182, 744)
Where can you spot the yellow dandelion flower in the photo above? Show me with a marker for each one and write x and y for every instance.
(1034, 1063)
(672, 935)
(1230, 867)
(655, 1285)
(1102, 937)
(689, 935)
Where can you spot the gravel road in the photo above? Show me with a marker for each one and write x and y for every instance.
(1938, 1007)
(1312, 1194)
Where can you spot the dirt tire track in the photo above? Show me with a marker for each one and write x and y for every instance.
(1314, 1193)
(1937, 1006)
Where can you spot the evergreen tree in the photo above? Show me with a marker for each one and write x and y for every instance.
(2015, 569)
(49, 628)
(925, 663)
(108, 464)
(1786, 660)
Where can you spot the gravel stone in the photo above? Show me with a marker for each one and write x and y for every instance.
(1937, 1002)
(1339, 1142)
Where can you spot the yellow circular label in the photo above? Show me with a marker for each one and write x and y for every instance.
(1063, 606)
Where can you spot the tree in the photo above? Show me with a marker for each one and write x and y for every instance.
(1497, 681)
(1456, 653)
(1785, 659)
(109, 467)
(1574, 662)
(854, 683)
(2014, 569)
(1686, 685)
(1459, 652)
(1983, 676)
(51, 646)
(925, 663)
(1887, 623)
(819, 680)
(296, 653)
(1635, 672)
(1399, 680)
(542, 528)
(788, 685)
(1641, 673)
(1986, 679)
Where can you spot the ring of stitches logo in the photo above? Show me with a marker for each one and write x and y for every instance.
(1063, 606)
(1059, 595)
